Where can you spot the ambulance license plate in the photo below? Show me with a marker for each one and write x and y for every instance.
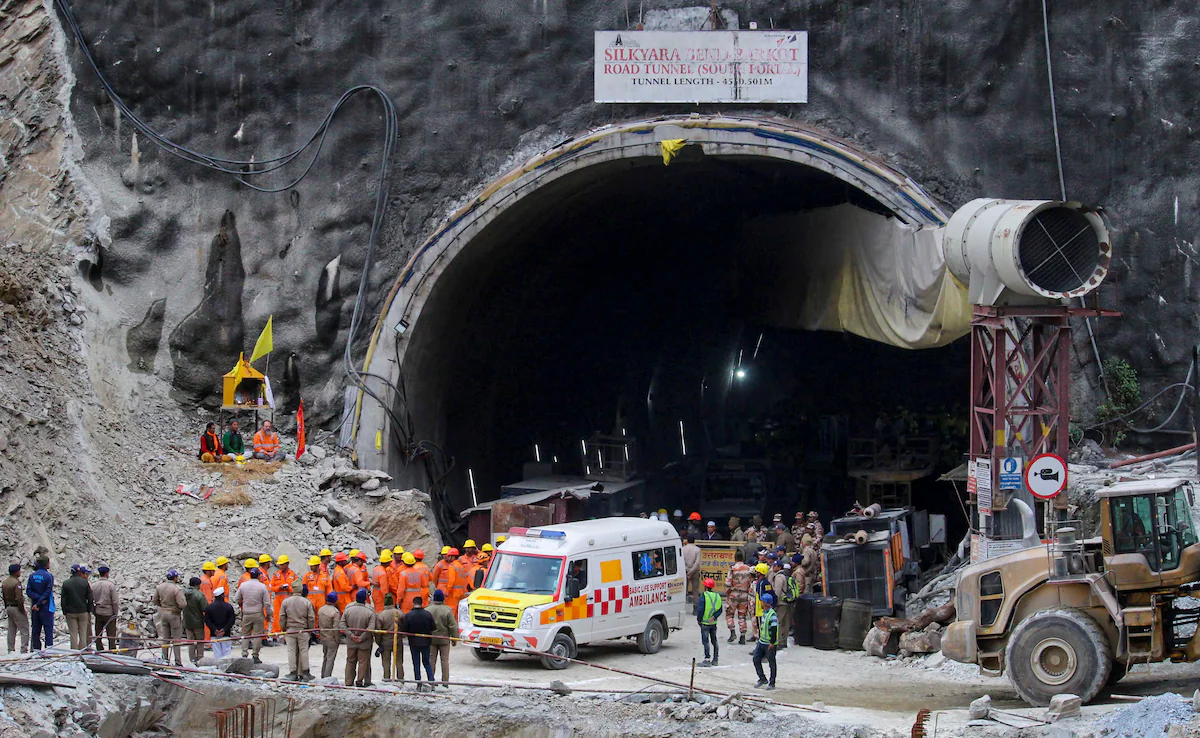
(488, 641)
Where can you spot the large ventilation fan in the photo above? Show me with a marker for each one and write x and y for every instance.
(1026, 251)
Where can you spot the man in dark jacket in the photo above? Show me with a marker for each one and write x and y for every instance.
(420, 624)
(77, 607)
(14, 607)
(193, 620)
(40, 591)
(220, 616)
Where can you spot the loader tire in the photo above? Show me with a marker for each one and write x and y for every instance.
(1058, 651)
(1117, 673)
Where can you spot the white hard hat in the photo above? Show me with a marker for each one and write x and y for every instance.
(654, 516)
(679, 513)
(711, 523)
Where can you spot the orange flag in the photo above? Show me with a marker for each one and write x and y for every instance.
(300, 430)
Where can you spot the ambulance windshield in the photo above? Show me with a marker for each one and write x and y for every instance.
(513, 572)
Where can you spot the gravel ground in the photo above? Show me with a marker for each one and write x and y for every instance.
(1148, 718)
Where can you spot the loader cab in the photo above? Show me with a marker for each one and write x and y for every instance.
(1147, 528)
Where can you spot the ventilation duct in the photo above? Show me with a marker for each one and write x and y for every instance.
(1026, 251)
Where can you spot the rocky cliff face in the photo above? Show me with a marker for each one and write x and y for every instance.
(955, 93)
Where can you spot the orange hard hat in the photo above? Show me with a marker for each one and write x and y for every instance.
(694, 516)
(340, 556)
(418, 554)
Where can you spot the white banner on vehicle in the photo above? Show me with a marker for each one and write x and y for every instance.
(701, 66)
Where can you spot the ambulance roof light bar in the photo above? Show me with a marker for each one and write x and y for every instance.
(536, 533)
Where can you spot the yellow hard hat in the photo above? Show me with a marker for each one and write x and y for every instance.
(762, 568)
(501, 539)
(284, 560)
(314, 561)
(222, 561)
(398, 550)
(487, 548)
(385, 557)
(662, 511)
(326, 552)
(445, 550)
(250, 564)
(354, 552)
(469, 544)
(409, 559)
(240, 459)
(208, 566)
(264, 559)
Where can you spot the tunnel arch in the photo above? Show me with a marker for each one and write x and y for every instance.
(403, 344)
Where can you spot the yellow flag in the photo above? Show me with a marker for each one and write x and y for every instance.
(670, 148)
(264, 345)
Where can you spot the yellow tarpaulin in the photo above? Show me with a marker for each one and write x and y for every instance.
(670, 148)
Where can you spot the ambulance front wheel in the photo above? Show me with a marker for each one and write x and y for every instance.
(485, 654)
(561, 649)
(651, 638)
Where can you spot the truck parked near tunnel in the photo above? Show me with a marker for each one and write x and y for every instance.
(1072, 616)
(554, 588)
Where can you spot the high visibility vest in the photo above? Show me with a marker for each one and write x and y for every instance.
(443, 577)
(206, 587)
(792, 593)
(470, 568)
(266, 443)
(342, 586)
(458, 588)
(220, 581)
(318, 587)
(712, 606)
(379, 580)
(282, 585)
(768, 631)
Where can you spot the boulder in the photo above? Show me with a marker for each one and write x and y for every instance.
(299, 562)
(925, 642)
(404, 518)
(980, 708)
(317, 452)
(362, 476)
(306, 459)
(881, 644)
(371, 484)
(1063, 706)
(241, 665)
(265, 671)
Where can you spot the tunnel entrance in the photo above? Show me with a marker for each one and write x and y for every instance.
(634, 299)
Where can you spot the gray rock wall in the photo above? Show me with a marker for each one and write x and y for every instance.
(953, 92)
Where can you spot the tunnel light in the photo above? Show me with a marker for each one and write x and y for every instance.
(583, 445)
(537, 453)
(474, 498)
(740, 374)
(757, 346)
(682, 439)
(741, 353)
(623, 432)
(555, 459)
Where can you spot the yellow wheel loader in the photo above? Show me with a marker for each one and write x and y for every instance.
(1072, 616)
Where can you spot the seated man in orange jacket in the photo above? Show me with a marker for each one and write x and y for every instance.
(210, 446)
(266, 443)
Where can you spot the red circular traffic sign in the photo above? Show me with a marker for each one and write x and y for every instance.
(1046, 476)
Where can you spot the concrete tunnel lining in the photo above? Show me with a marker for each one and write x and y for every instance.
(600, 152)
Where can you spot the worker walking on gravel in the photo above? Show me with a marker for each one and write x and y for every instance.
(768, 640)
(169, 600)
(296, 615)
(328, 620)
(14, 608)
(737, 589)
(708, 609)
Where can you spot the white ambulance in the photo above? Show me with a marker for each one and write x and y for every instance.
(553, 588)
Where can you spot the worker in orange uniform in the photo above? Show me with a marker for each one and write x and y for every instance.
(419, 555)
(283, 584)
(340, 582)
(326, 557)
(264, 568)
(416, 584)
(442, 576)
(317, 582)
(491, 555)
(364, 573)
(352, 569)
(220, 578)
(247, 565)
(470, 551)
(379, 579)
(207, 572)
(266, 443)
(458, 590)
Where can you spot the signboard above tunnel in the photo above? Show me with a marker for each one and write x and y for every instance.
(701, 66)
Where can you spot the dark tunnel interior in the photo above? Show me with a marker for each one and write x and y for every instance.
(614, 301)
